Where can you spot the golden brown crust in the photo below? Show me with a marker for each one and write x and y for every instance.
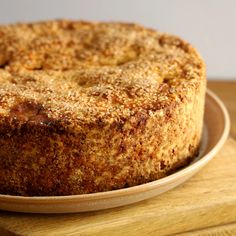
(88, 107)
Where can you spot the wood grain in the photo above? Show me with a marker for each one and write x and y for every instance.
(225, 230)
(204, 205)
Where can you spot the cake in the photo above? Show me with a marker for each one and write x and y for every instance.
(89, 107)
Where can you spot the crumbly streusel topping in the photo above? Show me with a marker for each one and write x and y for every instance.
(83, 70)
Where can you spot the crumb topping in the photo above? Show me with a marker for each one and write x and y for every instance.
(81, 71)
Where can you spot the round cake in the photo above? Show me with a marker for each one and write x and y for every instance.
(89, 107)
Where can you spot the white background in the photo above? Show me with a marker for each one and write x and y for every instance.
(210, 25)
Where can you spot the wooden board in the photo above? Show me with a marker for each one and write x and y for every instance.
(205, 205)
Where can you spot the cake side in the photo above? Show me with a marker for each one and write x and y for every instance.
(100, 124)
(52, 161)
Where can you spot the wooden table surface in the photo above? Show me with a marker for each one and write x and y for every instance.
(227, 92)
(204, 205)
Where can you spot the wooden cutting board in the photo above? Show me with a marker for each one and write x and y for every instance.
(204, 205)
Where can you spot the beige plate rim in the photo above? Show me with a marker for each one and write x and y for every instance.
(136, 189)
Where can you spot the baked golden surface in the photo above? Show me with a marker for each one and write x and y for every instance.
(88, 107)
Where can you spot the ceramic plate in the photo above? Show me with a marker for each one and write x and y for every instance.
(216, 129)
